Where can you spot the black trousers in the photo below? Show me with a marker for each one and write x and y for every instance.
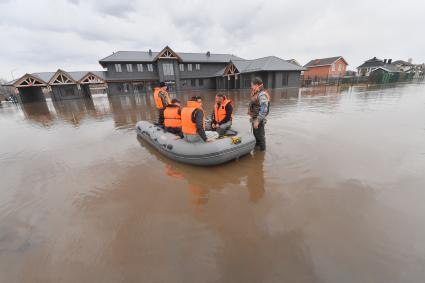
(260, 136)
(161, 117)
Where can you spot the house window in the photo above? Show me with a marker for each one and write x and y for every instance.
(181, 67)
(189, 67)
(198, 66)
(129, 68)
(168, 69)
(118, 68)
(140, 67)
(201, 82)
(340, 67)
(150, 67)
(333, 67)
(193, 82)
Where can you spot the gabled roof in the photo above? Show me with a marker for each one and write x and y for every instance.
(401, 62)
(46, 77)
(293, 61)
(167, 52)
(269, 63)
(67, 77)
(146, 56)
(388, 68)
(29, 80)
(75, 75)
(373, 62)
(323, 62)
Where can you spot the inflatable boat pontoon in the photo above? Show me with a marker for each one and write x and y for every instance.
(205, 154)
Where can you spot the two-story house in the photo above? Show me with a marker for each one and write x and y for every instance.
(128, 71)
(139, 71)
(370, 65)
(332, 67)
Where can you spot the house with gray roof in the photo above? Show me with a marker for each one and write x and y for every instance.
(370, 65)
(140, 71)
(60, 85)
(274, 71)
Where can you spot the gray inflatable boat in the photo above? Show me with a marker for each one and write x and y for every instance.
(204, 154)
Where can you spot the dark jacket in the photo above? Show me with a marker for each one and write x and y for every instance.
(198, 119)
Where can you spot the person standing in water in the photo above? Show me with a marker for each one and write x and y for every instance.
(162, 99)
(258, 110)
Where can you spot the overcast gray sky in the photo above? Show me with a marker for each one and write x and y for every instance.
(45, 35)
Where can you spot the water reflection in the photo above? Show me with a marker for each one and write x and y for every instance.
(38, 113)
(247, 172)
(73, 111)
(126, 110)
(337, 197)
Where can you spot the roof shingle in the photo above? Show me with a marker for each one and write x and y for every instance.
(322, 61)
(145, 56)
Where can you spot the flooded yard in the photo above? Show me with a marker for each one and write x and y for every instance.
(337, 197)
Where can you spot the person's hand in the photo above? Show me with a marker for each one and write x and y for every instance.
(209, 140)
(256, 123)
(214, 125)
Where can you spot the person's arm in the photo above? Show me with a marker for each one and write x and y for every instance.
(213, 117)
(163, 97)
(264, 105)
(199, 120)
(229, 111)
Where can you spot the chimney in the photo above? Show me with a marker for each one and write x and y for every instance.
(150, 52)
(208, 54)
(389, 61)
(385, 61)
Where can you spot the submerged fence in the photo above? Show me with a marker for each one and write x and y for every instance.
(352, 80)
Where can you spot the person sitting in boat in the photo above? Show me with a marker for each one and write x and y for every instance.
(193, 122)
(172, 118)
(162, 99)
(223, 114)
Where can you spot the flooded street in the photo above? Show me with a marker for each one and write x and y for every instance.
(337, 197)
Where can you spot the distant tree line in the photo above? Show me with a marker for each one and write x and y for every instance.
(5, 91)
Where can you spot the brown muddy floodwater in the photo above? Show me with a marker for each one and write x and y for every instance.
(339, 196)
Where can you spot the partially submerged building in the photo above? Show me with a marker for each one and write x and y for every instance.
(387, 73)
(139, 71)
(275, 73)
(368, 66)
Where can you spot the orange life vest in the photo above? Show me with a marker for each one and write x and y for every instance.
(172, 118)
(220, 111)
(188, 126)
(158, 100)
